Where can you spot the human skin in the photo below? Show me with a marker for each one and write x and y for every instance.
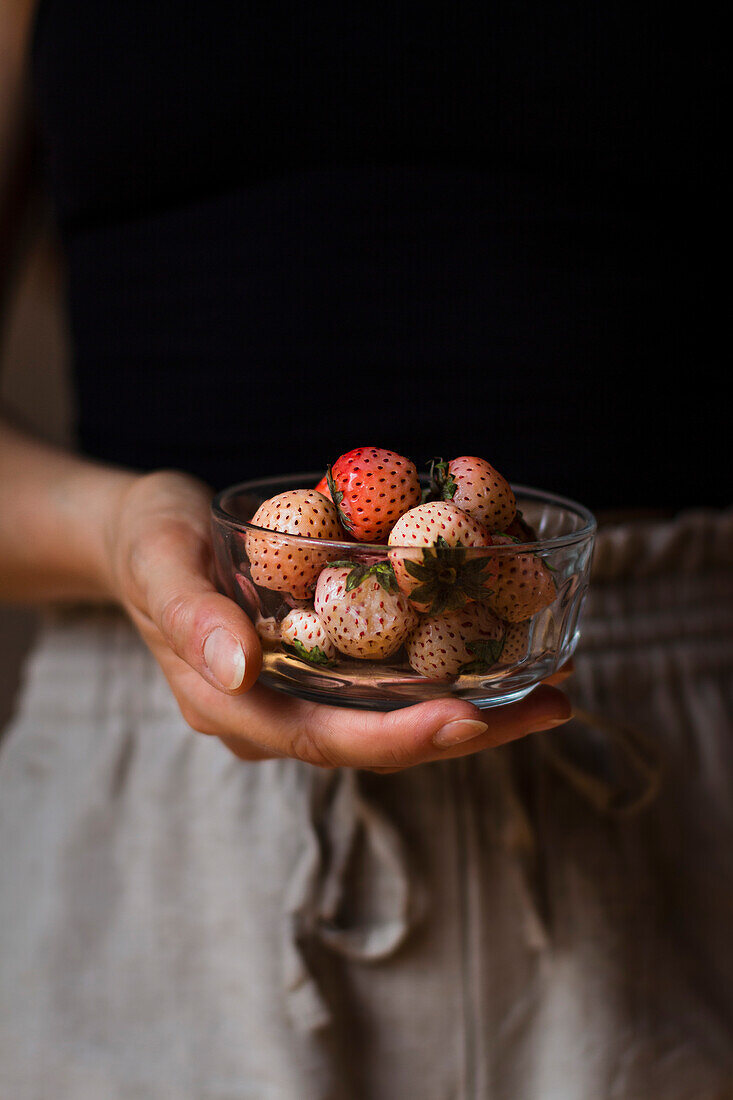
(72, 529)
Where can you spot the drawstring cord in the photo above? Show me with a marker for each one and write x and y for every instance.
(640, 756)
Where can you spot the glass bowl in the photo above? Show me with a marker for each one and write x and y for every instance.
(461, 652)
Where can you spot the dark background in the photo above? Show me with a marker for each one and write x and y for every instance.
(440, 229)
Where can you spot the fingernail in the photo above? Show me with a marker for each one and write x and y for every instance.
(453, 733)
(224, 658)
(550, 723)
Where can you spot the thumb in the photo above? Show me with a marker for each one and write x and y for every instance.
(204, 628)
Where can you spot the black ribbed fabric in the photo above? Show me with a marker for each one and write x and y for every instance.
(459, 229)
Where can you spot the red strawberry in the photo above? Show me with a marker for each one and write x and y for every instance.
(283, 565)
(372, 489)
(443, 646)
(305, 635)
(362, 609)
(476, 487)
(523, 584)
(322, 487)
(442, 575)
(516, 644)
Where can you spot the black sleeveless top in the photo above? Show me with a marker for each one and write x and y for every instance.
(291, 229)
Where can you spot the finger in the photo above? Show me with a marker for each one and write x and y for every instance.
(563, 673)
(245, 750)
(537, 713)
(332, 736)
(204, 628)
(198, 700)
(542, 709)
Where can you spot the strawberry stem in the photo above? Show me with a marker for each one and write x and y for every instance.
(314, 656)
(382, 571)
(442, 485)
(337, 496)
(486, 654)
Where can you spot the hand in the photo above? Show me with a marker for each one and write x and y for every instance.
(161, 571)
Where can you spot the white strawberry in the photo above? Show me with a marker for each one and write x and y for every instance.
(476, 487)
(287, 565)
(268, 629)
(304, 633)
(516, 643)
(443, 646)
(363, 610)
(442, 575)
(522, 584)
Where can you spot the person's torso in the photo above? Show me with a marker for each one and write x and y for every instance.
(296, 229)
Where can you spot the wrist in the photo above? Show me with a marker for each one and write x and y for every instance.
(56, 510)
(104, 493)
(131, 510)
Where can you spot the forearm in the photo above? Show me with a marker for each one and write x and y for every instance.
(55, 514)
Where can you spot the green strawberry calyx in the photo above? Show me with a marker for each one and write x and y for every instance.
(337, 496)
(442, 483)
(448, 578)
(314, 656)
(486, 653)
(382, 571)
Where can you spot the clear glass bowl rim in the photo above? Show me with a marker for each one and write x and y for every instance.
(220, 513)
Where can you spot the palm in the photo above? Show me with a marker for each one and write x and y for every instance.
(161, 549)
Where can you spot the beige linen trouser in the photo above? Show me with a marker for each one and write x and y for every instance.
(547, 921)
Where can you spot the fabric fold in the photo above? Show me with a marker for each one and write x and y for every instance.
(347, 839)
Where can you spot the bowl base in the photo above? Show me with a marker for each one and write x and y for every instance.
(371, 685)
(349, 700)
